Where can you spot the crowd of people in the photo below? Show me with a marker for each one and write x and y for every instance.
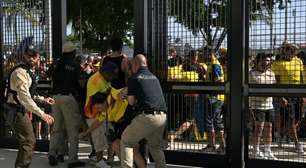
(119, 102)
(271, 118)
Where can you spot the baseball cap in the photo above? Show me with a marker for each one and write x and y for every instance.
(110, 68)
(68, 47)
(31, 51)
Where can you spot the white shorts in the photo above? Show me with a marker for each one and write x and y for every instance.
(98, 136)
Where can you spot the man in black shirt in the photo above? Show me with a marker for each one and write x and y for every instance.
(65, 75)
(146, 96)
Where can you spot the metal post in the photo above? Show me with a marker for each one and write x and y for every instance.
(81, 33)
(140, 42)
(286, 20)
(58, 26)
(271, 30)
(237, 34)
(141, 26)
(294, 22)
(2, 125)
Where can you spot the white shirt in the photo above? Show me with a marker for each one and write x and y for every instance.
(256, 77)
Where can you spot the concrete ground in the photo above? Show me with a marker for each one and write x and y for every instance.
(40, 159)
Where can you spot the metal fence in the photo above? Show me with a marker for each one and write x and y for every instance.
(196, 40)
(277, 37)
(190, 53)
(25, 21)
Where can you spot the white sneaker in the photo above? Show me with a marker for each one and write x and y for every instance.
(269, 155)
(259, 155)
(299, 149)
(102, 164)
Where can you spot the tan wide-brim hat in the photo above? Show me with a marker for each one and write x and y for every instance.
(68, 47)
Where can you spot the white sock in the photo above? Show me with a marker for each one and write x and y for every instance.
(268, 148)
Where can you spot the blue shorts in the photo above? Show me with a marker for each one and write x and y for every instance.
(214, 118)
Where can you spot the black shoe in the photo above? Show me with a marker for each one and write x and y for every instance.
(76, 164)
(52, 161)
(60, 158)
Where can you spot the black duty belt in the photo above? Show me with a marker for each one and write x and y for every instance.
(152, 112)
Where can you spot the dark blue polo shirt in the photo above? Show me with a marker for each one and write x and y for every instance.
(146, 88)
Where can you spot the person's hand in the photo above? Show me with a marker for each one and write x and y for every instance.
(304, 101)
(47, 118)
(123, 93)
(49, 100)
(284, 102)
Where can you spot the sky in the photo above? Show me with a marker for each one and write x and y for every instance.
(260, 36)
(259, 31)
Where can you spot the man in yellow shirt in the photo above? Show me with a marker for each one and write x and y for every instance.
(99, 83)
(113, 107)
(289, 70)
(214, 119)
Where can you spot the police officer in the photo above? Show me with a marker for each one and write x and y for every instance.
(144, 94)
(65, 75)
(21, 97)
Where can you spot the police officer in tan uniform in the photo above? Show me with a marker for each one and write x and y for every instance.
(20, 98)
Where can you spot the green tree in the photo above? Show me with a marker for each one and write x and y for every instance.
(101, 21)
(209, 17)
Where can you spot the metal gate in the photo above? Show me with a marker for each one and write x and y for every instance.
(276, 34)
(204, 53)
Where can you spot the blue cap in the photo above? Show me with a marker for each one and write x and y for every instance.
(110, 67)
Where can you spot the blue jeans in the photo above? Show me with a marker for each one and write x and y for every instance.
(214, 115)
(199, 113)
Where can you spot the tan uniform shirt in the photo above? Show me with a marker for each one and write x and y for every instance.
(21, 82)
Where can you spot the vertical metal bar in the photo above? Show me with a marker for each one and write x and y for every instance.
(48, 30)
(140, 20)
(294, 24)
(150, 23)
(286, 20)
(2, 125)
(58, 30)
(237, 56)
(164, 52)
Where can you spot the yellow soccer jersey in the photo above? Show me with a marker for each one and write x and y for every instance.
(116, 107)
(288, 72)
(96, 83)
(214, 73)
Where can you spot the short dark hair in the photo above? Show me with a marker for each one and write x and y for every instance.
(172, 50)
(98, 98)
(116, 44)
(261, 56)
(31, 51)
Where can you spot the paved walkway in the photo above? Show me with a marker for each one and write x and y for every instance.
(40, 160)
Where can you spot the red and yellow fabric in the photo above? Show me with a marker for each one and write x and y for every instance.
(116, 107)
(96, 83)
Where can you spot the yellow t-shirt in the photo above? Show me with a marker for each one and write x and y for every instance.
(116, 107)
(96, 83)
(288, 72)
(214, 73)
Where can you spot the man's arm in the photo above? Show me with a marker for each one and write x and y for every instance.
(132, 100)
(20, 83)
(132, 91)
